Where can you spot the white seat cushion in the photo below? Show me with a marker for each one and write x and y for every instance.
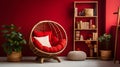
(44, 40)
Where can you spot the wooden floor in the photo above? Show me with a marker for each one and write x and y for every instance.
(30, 62)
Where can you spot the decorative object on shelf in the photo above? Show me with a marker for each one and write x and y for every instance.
(95, 36)
(76, 11)
(105, 44)
(77, 55)
(88, 42)
(82, 13)
(89, 12)
(81, 37)
(78, 25)
(95, 48)
(89, 37)
(77, 35)
(14, 42)
(93, 26)
(81, 25)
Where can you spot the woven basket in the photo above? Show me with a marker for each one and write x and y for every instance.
(14, 57)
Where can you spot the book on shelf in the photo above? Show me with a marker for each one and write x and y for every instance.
(95, 35)
(84, 25)
(76, 11)
(95, 48)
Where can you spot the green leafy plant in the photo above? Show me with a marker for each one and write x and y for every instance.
(14, 39)
(105, 40)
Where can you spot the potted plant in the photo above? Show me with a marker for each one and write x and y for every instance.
(105, 51)
(14, 41)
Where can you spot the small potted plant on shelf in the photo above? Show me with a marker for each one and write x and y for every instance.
(14, 41)
(105, 51)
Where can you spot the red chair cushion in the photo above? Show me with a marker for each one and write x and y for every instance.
(54, 40)
(59, 47)
(57, 44)
(37, 44)
(46, 49)
(40, 34)
(53, 49)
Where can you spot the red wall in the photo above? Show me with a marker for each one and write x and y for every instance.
(111, 19)
(26, 13)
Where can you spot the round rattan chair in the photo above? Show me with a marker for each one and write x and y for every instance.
(56, 32)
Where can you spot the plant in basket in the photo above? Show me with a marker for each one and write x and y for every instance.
(14, 42)
(105, 43)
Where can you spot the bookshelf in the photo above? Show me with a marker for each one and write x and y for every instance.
(86, 27)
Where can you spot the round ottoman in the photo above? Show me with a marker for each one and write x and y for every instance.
(76, 55)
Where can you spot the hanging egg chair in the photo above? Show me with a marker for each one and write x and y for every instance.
(47, 40)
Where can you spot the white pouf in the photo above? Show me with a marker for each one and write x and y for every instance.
(76, 55)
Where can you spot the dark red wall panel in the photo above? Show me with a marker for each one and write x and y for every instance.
(26, 13)
(113, 32)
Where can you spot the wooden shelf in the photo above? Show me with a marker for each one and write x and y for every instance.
(86, 16)
(86, 2)
(85, 40)
(86, 27)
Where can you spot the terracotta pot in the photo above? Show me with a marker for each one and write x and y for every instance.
(105, 54)
(14, 56)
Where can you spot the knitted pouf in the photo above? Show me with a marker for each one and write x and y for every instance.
(76, 55)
